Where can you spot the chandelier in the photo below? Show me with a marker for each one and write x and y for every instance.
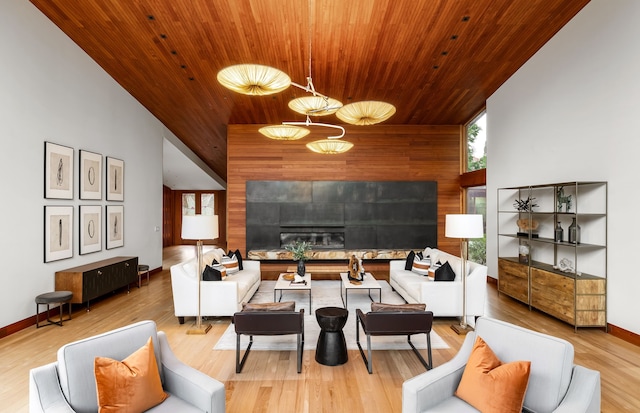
(259, 80)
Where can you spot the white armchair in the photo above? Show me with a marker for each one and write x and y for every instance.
(68, 385)
(555, 383)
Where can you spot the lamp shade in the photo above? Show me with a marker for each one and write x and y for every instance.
(199, 227)
(329, 146)
(463, 226)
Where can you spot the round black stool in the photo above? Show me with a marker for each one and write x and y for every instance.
(332, 347)
(59, 297)
(142, 268)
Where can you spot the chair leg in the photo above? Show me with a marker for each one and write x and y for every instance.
(240, 364)
(299, 351)
(364, 358)
(415, 350)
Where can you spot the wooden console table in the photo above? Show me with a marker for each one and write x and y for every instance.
(93, 280)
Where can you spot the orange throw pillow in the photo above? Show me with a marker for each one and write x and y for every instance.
(132, 385)
(490, 386)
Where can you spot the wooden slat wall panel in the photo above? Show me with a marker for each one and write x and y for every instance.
(381, 153)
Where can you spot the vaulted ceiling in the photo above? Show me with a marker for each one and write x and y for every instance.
(437, 61)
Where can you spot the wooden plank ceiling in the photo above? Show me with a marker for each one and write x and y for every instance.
(437, 61)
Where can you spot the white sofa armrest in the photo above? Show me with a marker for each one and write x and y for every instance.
(434, 386)
(584, 392)
(45, 394)
(187, 383)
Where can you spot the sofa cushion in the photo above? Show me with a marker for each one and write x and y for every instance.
(278, 306)
(409, 262)
(397, 307)
(445, 273)
(231, 264)
(130, 385)
(421, 266)
(211, 274)
(491, 386)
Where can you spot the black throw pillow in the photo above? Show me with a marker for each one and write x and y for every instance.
(419, 255)
(211, 274)
(409, 263)
(445, 273)
(239, 258)
(214, 262)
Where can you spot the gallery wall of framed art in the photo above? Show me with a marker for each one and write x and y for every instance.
(97, 223)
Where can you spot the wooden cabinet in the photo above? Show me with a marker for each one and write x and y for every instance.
(561, 275)
(513, 279)
(91, 281)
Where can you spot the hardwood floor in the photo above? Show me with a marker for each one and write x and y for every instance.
(269, 382)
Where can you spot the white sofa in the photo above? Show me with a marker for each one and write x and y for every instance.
(443, 298)
(555, 383)
(219, 298)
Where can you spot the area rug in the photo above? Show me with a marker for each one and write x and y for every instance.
(326, 293)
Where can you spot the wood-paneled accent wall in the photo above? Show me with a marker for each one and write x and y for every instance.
(381, 153)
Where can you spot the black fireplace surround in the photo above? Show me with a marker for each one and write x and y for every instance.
(342, 214)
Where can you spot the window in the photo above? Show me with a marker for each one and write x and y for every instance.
(188, 204)
(477, 204)
(206, 204)
(477, 143)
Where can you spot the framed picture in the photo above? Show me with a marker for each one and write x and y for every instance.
(115, 179)
(58, 233)
(90, 225)
(90, 175)
(58, 171)
(115, 226)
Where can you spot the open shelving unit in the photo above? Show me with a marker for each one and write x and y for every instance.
(567, 280)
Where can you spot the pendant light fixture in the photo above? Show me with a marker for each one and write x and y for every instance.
(258, 80)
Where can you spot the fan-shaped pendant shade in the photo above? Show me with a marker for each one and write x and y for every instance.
(257, 80)
(284, 132)
(368, 112)
(315, 105)
(330, 146)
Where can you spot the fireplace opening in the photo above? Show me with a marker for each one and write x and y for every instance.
(317, 239)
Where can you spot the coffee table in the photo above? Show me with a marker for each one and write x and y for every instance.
(368, 283)
(284, 285)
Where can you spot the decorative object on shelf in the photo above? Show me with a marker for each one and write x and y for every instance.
(523, 253)
(199, 227)
(574, 232)
(257, 80)
(565, 265)
(563, 200)
(527, 225)
(356, 270)
(558, 233)
(463, 226)
(299, 251)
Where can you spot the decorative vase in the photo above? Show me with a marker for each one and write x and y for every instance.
(559, 233)
(574, 232)
(301, 268)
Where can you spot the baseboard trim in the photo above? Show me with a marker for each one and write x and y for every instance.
(626, 335)
(53, 313)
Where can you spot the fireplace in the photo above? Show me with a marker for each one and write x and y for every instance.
(333, 239)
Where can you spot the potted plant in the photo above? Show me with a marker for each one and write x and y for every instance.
(299, 251)
(526, 225)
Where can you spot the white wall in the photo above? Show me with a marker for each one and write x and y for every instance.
(570, 113)
(50, 90)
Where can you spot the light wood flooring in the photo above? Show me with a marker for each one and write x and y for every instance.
(269, 382)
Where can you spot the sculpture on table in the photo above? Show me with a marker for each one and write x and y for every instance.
(356, 270)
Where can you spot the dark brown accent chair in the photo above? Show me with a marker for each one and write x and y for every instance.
(394, 323)
(268, 323)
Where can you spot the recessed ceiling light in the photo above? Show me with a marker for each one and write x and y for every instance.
(454, 37)
(466, 18)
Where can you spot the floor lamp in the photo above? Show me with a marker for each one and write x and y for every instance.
(199, 227)
(463, 226)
